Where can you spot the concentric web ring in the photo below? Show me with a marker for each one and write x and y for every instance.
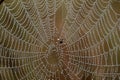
(60, 40)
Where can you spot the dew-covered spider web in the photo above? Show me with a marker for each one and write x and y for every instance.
(59, 40)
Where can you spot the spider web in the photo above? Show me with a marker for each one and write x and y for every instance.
(60, 40)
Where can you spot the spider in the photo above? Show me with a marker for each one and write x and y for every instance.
(61, 41)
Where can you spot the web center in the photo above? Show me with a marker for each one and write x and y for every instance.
(53, 55)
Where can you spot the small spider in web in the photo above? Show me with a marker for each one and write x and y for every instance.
(60, 41)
